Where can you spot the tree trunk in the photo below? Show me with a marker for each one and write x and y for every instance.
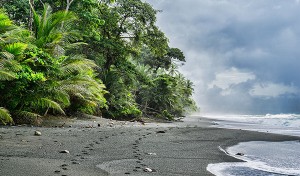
(30, 19)
(69, 2)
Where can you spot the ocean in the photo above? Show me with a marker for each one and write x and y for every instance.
(260, 158)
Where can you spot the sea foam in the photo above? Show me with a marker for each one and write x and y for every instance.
(288, 124)
(261, 158)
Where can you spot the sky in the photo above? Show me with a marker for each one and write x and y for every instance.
(242, 55)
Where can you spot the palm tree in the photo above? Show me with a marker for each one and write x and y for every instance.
(51, 30)
(36, 79)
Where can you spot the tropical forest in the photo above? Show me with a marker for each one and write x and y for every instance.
(98, 57)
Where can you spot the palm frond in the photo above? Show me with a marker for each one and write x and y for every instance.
(10, 65)
(5, 23)
(78, 65)
(15, 48)
(61, 96)
(18, 34)
(48, 103)
(6, 75)
(6, 55)
(5, 116)
(48, 26)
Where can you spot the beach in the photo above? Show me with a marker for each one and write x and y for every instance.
(106, 147)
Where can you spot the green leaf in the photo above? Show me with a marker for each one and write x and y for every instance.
(6, 75)
(15, 48)
(5, 116)
(47, 103)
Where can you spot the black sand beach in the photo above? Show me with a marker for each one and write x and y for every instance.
(116, 148)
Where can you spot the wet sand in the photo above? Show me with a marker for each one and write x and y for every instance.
(116, 148)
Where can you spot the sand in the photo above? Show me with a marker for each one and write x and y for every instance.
(119, 148)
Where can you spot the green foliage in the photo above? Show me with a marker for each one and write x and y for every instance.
(121, 100)
(166, 94)
(35, 81)
(94, 56)
(15, 49)
(52, 29)
(5, 22)
(18, 10)
(5, 116)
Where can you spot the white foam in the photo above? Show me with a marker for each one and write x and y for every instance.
(288, 124)
(261, 158)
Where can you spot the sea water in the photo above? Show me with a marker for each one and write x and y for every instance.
(287, 124)
(261, 158)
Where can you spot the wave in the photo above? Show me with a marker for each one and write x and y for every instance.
(288, 124)
(260, 160)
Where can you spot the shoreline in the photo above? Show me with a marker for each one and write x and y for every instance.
(121, 148)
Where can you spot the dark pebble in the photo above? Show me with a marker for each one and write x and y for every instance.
(240, 154)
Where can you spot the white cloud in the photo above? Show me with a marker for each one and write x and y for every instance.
(231, 77)
(272, 90)
(228, 79)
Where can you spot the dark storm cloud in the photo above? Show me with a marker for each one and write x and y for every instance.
(243, 56)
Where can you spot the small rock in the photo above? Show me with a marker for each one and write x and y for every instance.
(37, 133)
(215, 123)
(57, 171)
(147, 170)
(160, 132)
(64, 151)
(240, 154)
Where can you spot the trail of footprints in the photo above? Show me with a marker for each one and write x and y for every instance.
(138, 155)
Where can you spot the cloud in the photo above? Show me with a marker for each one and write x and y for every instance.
(272, 90)
(229, 78)
(238, 52)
